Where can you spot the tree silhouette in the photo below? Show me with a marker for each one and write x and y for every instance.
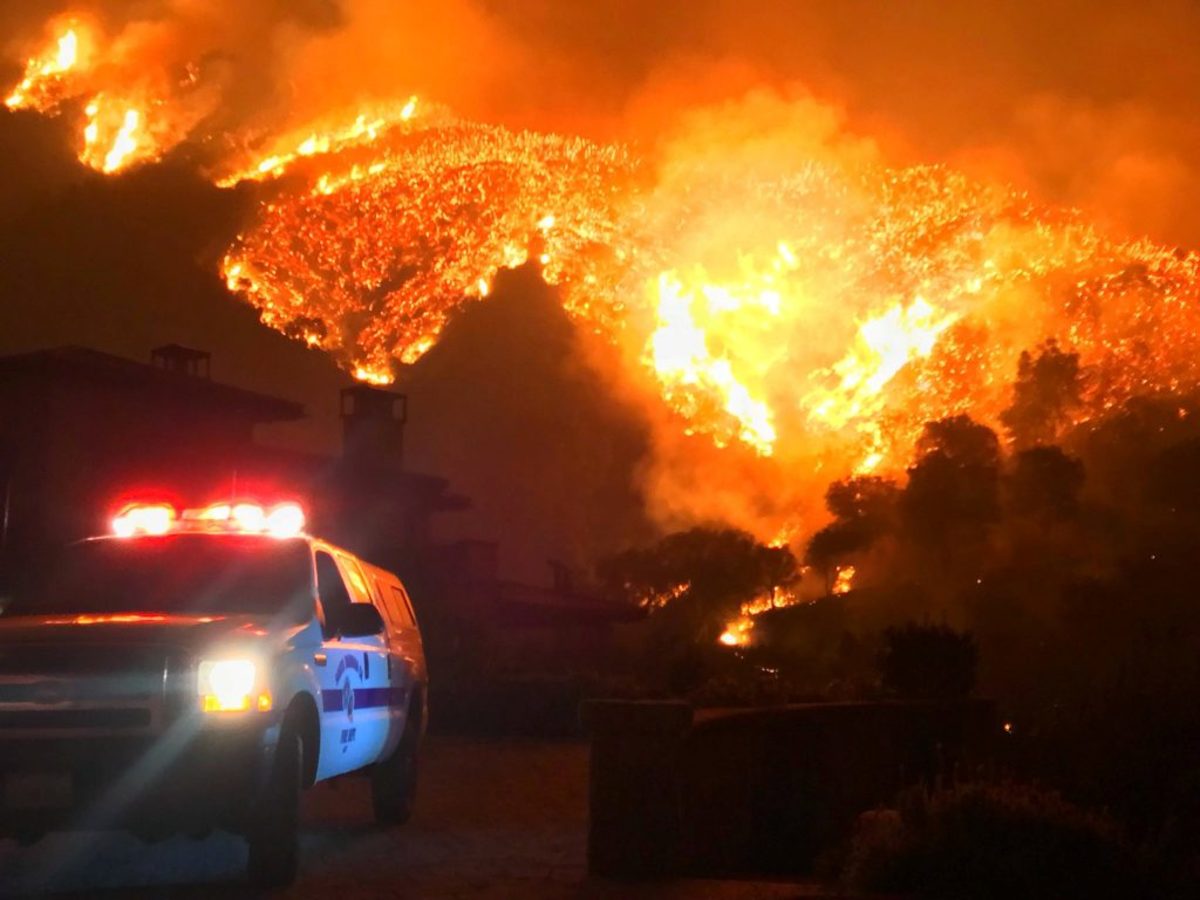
(868, 499)
(694, 582)
(699, 577)
(830, 546)
(961, 440)
(1045, 482)
(864, 509)
(953, 488)
(1047, 391)
(1174, 478)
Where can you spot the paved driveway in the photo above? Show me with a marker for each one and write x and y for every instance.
(494, 819)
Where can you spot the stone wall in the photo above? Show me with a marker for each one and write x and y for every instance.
(759, 791)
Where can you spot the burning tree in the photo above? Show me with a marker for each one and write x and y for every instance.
(696, 582)
(953, 488)
(864, 510)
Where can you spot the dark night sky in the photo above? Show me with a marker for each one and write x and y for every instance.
(126, 264)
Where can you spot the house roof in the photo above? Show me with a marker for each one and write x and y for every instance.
(318, 468)
(525, 604)
(72, 363)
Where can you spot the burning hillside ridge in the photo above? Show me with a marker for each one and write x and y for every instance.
(800, 308)
(792, 308)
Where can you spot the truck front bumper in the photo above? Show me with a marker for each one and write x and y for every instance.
(193, 777)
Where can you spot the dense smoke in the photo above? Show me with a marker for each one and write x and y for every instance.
(1086, 103)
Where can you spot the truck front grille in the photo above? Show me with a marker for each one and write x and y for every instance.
(71, 689)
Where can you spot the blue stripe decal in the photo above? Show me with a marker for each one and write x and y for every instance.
(367, 698)
(332, 699)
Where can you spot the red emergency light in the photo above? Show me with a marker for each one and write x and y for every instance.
(281, 520)
(154, 518)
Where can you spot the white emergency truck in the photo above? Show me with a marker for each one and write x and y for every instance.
(197, 670)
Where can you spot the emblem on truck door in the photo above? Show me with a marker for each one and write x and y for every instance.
(344, 696)
(348, 699)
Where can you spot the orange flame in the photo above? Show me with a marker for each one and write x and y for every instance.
(45, 73)
(320, 141)
(843, 582)
(113, 139)
(737, 632)
(121, 127)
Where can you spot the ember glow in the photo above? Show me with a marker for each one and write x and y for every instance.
(428, 221)
(843, 582)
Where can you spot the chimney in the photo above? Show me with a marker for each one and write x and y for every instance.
(373, 426)
(184, 360)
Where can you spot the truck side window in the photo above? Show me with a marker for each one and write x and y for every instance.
(334, 596)
(400, 607)
(355, 581)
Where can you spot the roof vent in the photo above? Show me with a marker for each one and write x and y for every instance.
(185, 360)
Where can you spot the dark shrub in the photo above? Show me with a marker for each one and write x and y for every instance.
(928, 661)
(990, 841)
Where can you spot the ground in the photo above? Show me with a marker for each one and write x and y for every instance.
(495, 819)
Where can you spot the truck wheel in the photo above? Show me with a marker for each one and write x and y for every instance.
(394, 780)
(274, 830)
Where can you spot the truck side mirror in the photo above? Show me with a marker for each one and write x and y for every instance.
(360, 620)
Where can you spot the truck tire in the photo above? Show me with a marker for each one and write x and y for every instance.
(394, 780)
(273, 834)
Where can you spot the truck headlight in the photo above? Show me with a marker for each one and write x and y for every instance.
(230, 685)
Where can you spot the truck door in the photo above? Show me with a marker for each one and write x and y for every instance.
(408, 655)
(372, 701)
(352, 732)
(404, 652)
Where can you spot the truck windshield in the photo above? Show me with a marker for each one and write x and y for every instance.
(188, 574)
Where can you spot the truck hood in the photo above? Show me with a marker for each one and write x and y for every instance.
(193, 633)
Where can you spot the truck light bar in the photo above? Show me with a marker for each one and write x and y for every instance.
(155, 518)
(282, 520)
